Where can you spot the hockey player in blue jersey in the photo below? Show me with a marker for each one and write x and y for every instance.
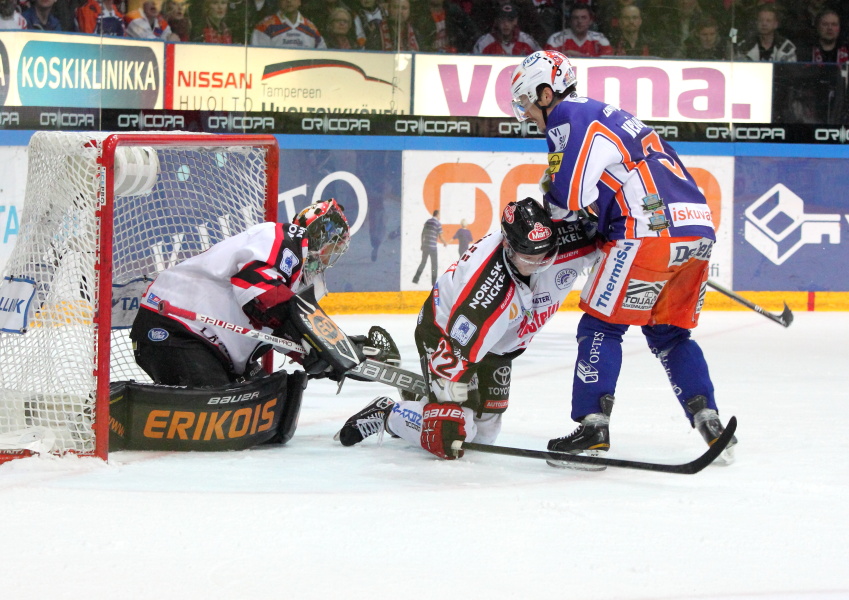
(656, 232)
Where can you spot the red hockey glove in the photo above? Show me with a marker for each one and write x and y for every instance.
(442, 424)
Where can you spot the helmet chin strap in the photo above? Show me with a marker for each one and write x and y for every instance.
(544, 110)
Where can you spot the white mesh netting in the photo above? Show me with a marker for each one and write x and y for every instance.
(185, 193)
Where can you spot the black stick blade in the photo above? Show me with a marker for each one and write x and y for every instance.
(689, 468)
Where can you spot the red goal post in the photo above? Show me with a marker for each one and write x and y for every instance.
(104, 213)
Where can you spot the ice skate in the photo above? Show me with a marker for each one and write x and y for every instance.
(591, 438)
(708, 423)
(369, 421)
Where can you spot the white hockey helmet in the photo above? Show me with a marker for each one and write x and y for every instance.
(545, 67)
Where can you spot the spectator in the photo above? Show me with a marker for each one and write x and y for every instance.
(444, 27)
(287, 29)
(320, 11)
(101, 18)
(768, 45)
(175, 12)
(213, 27)
(244, 15)
(672, 25)
(800, 20)
(340, 30)
(146, 23)
(550, 16)
(607, 14)
(828, 48)
(506, 37)
(485, 12)
(630, 39)
(65, 11)
(10, 18)
(395, 33)
(366, 19)
(705, 43)
(40, 16)
(578, 40)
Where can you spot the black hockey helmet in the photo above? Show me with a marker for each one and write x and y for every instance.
(528, 230)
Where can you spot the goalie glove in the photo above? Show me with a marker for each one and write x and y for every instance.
(442, 425)
(316, 367)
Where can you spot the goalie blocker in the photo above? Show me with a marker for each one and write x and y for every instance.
(233, 417)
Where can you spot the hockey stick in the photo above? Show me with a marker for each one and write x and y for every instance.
(166, 308)
(369, 370)
(785, 318)
(681, 469)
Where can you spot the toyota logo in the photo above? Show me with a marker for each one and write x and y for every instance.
(502, 376)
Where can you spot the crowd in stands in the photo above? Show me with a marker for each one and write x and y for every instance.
(757, 30)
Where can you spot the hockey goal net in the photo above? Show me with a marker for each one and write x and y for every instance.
(103, 214)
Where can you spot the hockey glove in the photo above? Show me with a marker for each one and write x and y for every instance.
(443, 424)
(316, 367)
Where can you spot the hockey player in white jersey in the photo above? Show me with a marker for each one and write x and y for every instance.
(481, 314)
(246, 279)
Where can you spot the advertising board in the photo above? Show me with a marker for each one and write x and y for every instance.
(791, 221)
(45, 69)
(233, 78)
(656, 90)
(475, 187)
(368, 185)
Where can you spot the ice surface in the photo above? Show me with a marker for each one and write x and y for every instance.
(313, 519)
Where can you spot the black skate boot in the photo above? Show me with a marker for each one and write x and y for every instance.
(706, 420)
(591, 438)
(368, 421)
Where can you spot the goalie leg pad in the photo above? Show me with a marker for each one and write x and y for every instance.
(295, 387)
(232, 417)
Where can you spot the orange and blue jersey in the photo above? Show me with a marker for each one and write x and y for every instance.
(605, 159)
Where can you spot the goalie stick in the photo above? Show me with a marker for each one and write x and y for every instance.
(166, 308)
(369, 370)
(689, 468)
(785, 318)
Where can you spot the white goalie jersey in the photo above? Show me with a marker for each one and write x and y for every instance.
(264, 263)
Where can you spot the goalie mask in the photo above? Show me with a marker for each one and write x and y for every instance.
(530, 242)
(545, 67)
(327, 234)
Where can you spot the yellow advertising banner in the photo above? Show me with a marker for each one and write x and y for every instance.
(273, 79)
